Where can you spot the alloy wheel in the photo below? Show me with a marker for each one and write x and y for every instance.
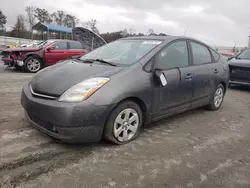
(218, 97)
(33, 65)
(126, 125)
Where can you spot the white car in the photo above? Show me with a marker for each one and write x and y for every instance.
(30, 44)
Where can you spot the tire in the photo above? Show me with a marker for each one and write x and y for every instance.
(219, 93)
(117, 124)
(19, 68)
(33, 64)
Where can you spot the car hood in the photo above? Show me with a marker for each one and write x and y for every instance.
(56, 79)
(24, 49)
(240, 62)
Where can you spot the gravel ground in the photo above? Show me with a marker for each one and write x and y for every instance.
(199, 148)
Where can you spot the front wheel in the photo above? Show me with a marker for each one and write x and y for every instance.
(217, 99)
(33, 64)
(124, 123)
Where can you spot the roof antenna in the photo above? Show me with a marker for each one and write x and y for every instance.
(186, 30)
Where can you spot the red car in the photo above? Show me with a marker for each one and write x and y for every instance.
(46, 53)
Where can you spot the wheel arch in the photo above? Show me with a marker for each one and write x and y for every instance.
(223, 83)
(140, 103)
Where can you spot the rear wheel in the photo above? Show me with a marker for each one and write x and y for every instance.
(33, 64)
(124, 123)
(217, 99)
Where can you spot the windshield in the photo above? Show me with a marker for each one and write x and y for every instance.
(244, 55)
(42, 44)
(123, 52)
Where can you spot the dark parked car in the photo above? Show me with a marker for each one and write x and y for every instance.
(240, 68)
(112, 91)
(44, 54)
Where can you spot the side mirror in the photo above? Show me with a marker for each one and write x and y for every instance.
(50, 48)
(161, 77)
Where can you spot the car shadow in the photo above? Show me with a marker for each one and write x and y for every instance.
(168, 121)
(166, 124)
(240, 88)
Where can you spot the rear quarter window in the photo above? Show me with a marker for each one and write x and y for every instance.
(75, 45)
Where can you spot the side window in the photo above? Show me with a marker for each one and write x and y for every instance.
(215, 54)
(60, 45)
(201, 54)
(75, 45)
(172, 56)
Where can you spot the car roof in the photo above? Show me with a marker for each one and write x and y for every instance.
(162, 38)
(149, 38)
(62, 40)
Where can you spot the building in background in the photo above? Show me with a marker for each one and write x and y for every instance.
(42, 31)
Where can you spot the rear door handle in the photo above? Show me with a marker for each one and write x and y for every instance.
(189, 76)
(216, 71)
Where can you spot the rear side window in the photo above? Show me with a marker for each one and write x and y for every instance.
(216, 55)
(60, 45)
(75, 45)
(201, 54)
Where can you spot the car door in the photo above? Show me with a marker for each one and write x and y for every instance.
(58, 53)
(174, 61)
(75, 49)
(206, 73)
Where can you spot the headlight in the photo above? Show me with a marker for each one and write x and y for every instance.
(83, 90)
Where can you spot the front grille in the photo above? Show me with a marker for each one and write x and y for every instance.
(240, 74)
(39, 95)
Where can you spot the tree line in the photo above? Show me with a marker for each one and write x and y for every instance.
(24, 23)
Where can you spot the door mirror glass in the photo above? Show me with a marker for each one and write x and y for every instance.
(51, 48)
(161, 77)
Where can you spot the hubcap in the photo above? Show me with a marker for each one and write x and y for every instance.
(126, 125)
(33, 65)
(218, 97)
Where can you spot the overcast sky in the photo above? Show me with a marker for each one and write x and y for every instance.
(216, 22)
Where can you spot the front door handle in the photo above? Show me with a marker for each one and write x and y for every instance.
(189, 76)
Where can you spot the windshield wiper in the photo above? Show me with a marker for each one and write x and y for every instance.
(105, 62)
(82, 60)
(92, 60)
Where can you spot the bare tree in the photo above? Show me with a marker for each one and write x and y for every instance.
(3, 20)
(131, 31)
(30, 10)
(92, 25)
(19, 28)
(75, 21)
(151, 32)
(43, 15)
(70, 20)
(59, 17)
(125, 33)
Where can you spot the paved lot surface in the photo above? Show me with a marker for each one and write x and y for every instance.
(200, 149)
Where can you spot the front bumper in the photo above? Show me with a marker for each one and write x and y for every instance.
(67, 122)
(7, 61)
(12, 62)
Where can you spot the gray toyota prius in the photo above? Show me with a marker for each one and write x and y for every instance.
(112, 91)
